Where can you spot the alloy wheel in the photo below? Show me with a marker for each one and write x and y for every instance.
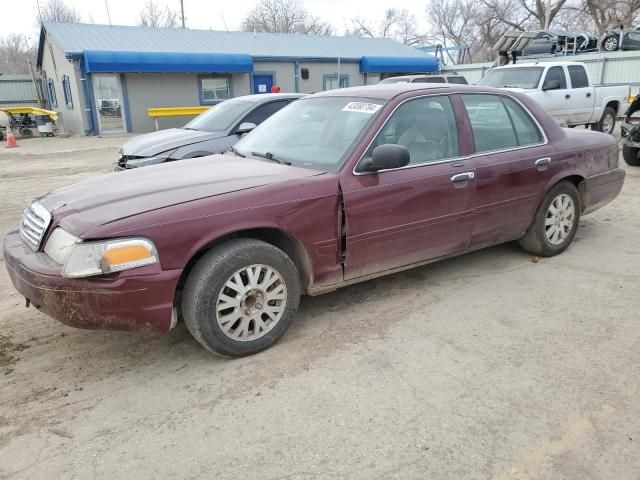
(607, 124)
(251, 302)
(560, 219)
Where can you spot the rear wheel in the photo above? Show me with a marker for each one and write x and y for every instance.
(555, 223)
(610, 43)
(607, 122)
(630, 155)
(241, 297)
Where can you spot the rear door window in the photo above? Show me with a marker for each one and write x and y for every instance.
(261, 113)
(429, 80)
(578, 76)
(458, 80)
(499, 123)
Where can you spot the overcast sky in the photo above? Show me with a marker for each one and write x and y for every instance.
(20, 15)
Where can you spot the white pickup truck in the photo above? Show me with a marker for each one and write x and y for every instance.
(565, 91)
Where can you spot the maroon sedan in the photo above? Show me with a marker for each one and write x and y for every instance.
(336, 188)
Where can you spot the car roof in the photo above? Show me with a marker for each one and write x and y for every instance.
(265, 97)
(387, 91)
(544, 64)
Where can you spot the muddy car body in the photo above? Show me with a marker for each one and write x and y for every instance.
(334, 189)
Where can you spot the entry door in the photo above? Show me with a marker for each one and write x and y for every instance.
(556, 102)
(109, 104)
(262, 83)
(513, 166)
(400, 217)
(582, 95)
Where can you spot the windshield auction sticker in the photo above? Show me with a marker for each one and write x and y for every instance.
(361, 107)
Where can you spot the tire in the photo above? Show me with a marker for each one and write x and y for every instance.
(26, 132)
(630, 155)
(539, 238)
(610, 43)
(607, 122)
(213, 283)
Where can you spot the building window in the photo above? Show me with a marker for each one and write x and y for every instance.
(51, 90)
(330, 82)
(214, 89)
(66, 88)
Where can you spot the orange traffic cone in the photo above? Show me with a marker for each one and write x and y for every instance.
(11, 139)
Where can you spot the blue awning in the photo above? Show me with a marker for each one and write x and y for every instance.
(426, 64)
(98, 61)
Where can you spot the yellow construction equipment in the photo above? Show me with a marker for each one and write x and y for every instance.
(157, 112)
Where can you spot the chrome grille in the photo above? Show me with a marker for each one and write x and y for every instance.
(35, 221)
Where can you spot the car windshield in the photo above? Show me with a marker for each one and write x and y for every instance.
(396, 80)
(313, 132)
(518, 77)
(220, 117)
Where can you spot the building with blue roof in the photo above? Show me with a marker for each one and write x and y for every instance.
(102, 78)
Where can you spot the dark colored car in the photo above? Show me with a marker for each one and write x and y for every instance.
(337, 188)
(630, 132)
(557, 41)
(630, 40)
(214, 131)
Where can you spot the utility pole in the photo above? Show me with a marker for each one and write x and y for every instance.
(182, 12)
(108, 14)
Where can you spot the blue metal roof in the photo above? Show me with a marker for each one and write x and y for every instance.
(75, 38)
(425, 63)
(161, 62)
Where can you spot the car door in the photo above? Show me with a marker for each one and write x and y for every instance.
(582, 95)
(513, 163)
(557, 101)
(404, 216)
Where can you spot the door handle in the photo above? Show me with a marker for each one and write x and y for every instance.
(463, 177)
(543, 161)
(567, 96)
(588, 95)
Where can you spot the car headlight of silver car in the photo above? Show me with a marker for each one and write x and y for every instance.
(86, 259)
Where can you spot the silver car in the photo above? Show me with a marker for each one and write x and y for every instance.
(214, 131)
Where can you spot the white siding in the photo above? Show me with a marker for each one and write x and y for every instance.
(55, 66)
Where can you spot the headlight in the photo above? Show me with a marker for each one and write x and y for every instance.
(85, 259)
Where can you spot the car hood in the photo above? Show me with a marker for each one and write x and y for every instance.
(108, 198)
(151, 144)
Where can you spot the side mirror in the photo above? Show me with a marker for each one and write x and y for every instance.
(245, 127)
(551, 85)
(385, 157)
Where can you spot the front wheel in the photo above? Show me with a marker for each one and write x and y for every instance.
(555, 222)
(607, 122)
(241, 297)
(630, 155)
(26, 132)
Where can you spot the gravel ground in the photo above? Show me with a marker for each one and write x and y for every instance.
(486, 366)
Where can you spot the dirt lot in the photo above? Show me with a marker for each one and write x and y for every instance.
(484, 366)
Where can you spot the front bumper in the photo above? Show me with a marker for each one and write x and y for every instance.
(603, 188)
(629, 140)
(140, 299)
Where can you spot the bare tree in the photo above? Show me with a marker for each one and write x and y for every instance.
(284, 16)
(398, 25)
(59, 12)
(454, 23)
(15, 50)
(153, 15)
(611, 13)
